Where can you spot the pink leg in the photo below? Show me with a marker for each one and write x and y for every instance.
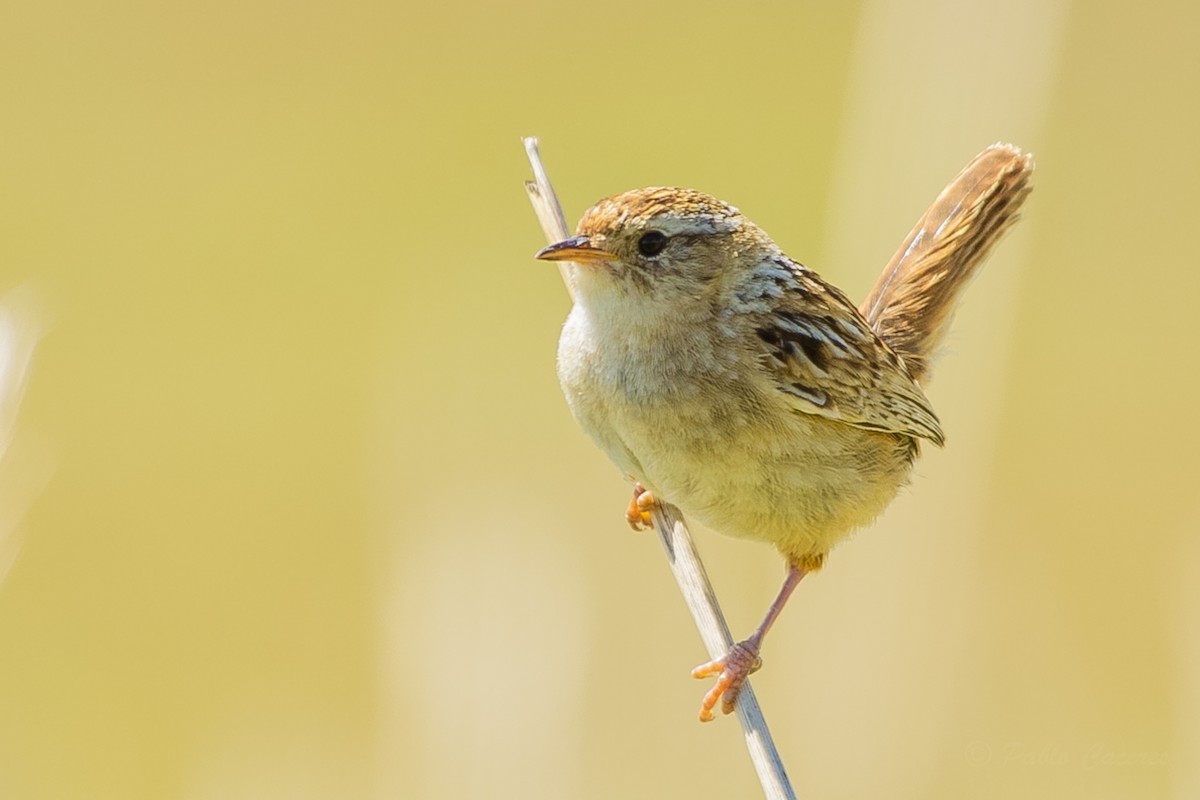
(743, 659)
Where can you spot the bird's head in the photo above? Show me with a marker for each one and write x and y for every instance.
(658, 243)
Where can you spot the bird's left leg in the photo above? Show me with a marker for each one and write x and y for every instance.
(743, 658)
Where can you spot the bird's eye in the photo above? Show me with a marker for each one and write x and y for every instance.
(652, 243)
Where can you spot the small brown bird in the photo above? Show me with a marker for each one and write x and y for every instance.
(732, 381)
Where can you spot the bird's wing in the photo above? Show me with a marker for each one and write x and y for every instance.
(824, 356)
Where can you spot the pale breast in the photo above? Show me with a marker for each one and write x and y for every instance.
(717, 440)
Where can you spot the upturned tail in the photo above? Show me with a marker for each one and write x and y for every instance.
(913, 301)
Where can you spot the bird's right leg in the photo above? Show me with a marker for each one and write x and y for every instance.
(638, 513)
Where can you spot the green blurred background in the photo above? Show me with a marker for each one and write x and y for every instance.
(293, 506)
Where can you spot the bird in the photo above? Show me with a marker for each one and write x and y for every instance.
(729, 379)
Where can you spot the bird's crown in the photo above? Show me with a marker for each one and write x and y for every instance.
(671, 210)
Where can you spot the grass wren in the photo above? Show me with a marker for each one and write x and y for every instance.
(732, 381)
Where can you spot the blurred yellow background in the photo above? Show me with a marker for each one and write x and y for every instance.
(292, 506)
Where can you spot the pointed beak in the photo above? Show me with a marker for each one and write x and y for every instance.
(577, 248)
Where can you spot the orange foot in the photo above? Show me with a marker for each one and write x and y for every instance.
(733, 670)
(638, 513)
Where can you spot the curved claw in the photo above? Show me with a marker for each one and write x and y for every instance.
(738, 664)
(640, 506)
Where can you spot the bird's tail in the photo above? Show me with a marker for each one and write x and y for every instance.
(914, 299)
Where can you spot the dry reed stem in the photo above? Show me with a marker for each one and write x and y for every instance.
(682, 556)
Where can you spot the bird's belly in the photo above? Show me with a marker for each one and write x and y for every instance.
(797, 481)
(726, 447)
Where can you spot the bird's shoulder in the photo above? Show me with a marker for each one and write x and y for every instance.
(821, 353)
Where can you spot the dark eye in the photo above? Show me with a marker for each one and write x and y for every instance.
(652, 243)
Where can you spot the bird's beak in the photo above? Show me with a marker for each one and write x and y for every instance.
(577, 248)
